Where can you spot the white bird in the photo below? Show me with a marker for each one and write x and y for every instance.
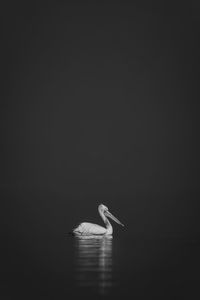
(94, 229)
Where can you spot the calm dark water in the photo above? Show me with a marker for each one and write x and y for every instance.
(65, 267)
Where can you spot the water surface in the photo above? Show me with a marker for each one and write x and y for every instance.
(66, 267)
(94, 263)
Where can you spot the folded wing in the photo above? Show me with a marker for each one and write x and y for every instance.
(89, 229)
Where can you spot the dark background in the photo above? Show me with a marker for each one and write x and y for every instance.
(99, 105)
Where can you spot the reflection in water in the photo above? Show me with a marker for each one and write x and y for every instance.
(94, 262)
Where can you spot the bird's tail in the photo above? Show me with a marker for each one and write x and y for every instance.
(70, 233)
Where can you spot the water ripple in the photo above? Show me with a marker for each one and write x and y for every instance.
(93, 262)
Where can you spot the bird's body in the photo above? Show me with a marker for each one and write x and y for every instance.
(86, 228)
(89, 228)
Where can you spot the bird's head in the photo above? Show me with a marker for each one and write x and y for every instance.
(104, 209)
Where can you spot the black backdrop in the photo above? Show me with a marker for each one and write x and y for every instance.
(99, 104)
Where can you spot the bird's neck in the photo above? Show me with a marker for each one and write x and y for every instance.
(107, 223)
(108, 226)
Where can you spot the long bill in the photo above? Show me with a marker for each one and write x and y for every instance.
(109, 215)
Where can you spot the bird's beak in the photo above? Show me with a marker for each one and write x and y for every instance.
(109, 215)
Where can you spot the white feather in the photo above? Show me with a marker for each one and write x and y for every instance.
(94, 229)
(89, 228)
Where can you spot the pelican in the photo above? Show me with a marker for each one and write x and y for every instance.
(90, 229)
